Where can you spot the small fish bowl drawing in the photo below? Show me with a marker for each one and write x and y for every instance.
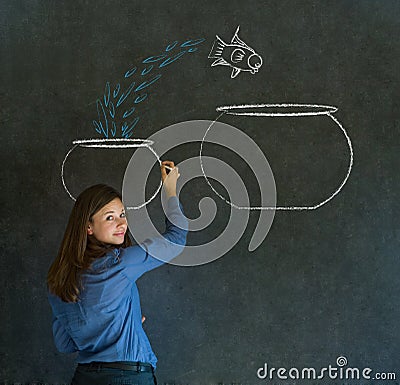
(308, 149)
(94, 161)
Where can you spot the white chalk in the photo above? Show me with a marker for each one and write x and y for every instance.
(167, 167)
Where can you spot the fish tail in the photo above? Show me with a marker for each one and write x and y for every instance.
(217, 48)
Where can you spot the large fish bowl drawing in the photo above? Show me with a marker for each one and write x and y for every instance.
(307, 147)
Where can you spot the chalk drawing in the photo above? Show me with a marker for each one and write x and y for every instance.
(237, 55)
(118, 115)
(282, 110)
(266, 110)
(110, 143)
(116, 102)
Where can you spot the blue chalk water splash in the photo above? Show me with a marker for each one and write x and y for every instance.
(117, 109)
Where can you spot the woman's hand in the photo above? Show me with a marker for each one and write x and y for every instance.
(169, 180)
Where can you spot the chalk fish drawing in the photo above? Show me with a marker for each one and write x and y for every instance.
(237, 55)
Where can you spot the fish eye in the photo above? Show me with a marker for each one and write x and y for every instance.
(255, 61)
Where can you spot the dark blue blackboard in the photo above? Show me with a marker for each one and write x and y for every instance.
(324, 283)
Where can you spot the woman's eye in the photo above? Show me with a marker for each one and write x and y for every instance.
(123, 215)
(109, 218)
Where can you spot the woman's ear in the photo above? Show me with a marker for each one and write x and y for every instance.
(90, 230)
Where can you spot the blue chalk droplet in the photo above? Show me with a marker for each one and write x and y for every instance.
(129, 112)
(153, 59)
(130, 72)
(107, 94)
(172, 59)
(171, 46)
(112, 110)
(113, 129)
(191, 43)
(140, 98)
(97, 126)
(147, 70)
(117, 88)
(147, 83)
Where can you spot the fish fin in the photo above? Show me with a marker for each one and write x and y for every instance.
(217, 48)
(237, 55)
(237, 41)
(235, 72)
(221, 62)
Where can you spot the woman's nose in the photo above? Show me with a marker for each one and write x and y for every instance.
(121, 221)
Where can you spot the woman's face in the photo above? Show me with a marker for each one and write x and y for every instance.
(109, 224)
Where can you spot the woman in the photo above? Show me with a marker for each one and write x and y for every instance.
(92, 289)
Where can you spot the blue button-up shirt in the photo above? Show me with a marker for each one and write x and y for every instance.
(106, 323)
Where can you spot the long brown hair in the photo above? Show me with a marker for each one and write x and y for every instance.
(78, 250)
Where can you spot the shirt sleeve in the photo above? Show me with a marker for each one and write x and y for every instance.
(154, 252)
(62, 339)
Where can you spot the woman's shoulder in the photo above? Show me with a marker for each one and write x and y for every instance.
(130, 252)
